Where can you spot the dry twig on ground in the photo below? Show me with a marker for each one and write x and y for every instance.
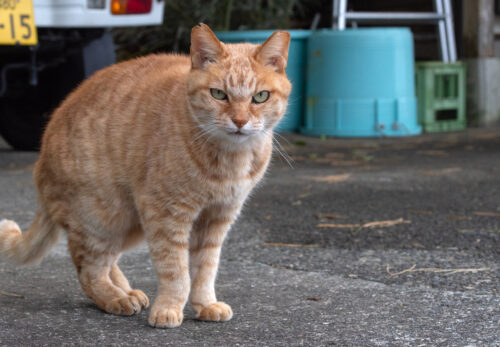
(11, 294)
(376, 224)
(414, 268)
(279, 244)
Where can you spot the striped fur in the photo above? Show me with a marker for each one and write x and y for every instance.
(142, 150)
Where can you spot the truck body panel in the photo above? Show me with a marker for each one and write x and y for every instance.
(77, 14)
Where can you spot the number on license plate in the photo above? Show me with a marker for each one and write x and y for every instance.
(17, 23)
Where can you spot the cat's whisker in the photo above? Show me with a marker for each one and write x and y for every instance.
(285, 156)
(197, 136)
(282, 137)
(280, 150)
(204, 131)
(210, 132)
(281, 147)
(199, 133)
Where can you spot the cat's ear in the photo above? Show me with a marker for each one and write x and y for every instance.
(205, 47)
(274, 52)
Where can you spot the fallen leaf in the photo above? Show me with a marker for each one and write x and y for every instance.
(334, 155)
(314, 299)
(486, 136)
(332, 178)
(422, 212)
(279, 244)
(403, 146)
(297, 203)
(452, 216)
(304, 195)
(389, 160)
(330, 216)
(417, 245)
(321, 160)
(448, 144)
(385, 223)
(488, 214)
(364, 168)
(267, 217)
(440, 172)
(347, 162)
(341, 226)
(363, 155)
(433, 152)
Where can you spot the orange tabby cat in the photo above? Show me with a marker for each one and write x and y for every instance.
(166, 148)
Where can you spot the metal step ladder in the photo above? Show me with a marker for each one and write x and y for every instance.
(442, 17)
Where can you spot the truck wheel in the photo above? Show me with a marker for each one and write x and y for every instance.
(25, 112)
(22, 122)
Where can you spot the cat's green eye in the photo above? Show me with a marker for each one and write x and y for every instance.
(260, 97)
(218, 94)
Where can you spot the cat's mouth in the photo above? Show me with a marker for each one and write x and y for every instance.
(239, 135)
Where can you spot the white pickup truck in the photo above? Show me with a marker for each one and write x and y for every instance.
(47, 47)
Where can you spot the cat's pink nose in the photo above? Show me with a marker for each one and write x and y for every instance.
(240, 122)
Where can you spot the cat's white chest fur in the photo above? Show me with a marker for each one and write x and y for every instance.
(233, 191)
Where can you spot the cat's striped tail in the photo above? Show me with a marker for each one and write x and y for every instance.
(30, 246)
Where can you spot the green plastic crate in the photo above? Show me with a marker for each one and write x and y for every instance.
(441, 96)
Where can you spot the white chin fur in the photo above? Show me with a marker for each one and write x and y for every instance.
(238, 138)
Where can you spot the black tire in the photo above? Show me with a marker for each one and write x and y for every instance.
(22, 122)
(25, 111)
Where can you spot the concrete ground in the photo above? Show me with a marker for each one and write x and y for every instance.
(388, 242)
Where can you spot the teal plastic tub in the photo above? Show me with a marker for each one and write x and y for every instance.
(360, 83)
(296, 69)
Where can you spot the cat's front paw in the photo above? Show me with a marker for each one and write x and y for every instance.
(216, 312)
(165, 317)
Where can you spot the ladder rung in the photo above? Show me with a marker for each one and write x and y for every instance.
(396, 16)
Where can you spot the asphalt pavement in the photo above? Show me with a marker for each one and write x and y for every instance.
(373, 242)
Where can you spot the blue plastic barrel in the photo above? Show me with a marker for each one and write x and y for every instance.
(360, 83)
(296, 68)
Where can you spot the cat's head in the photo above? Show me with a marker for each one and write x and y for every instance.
(237, 92)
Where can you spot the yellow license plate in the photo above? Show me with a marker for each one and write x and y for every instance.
(17, 23)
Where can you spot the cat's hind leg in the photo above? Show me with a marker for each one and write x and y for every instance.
(132, 238)
(94, 262)
(119, 280)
